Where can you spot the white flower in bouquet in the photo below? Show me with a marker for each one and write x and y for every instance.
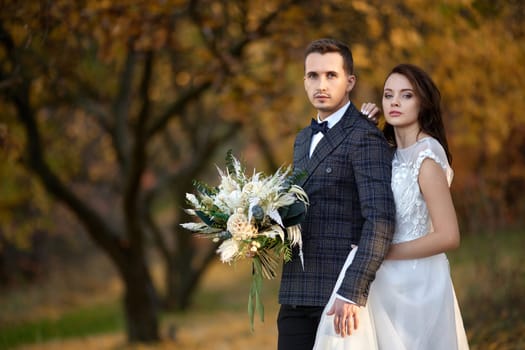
(228, 201)
(240, 228)
(228, 249)
(255, 217)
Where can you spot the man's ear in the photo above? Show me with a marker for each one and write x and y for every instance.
(351, 82)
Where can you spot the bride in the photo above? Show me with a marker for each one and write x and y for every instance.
(411, 304)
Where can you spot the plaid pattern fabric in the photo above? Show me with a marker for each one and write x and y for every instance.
(351, 202)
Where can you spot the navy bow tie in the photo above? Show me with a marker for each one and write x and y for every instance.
(316, 127)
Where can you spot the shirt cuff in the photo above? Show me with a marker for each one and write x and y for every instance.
(343, 298)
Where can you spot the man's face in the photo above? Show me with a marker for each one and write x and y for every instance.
(326, 82)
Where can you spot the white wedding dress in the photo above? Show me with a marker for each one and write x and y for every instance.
(411, 304)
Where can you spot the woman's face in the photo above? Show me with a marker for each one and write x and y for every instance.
(400, 103)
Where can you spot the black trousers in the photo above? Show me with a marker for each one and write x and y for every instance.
(297, 326)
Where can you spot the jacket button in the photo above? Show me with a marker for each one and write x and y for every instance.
(328, 170)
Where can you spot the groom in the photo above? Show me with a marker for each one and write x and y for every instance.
(348, 165)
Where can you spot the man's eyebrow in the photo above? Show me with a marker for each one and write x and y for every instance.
(323, 72)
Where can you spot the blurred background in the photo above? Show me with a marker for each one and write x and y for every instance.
(109, 110)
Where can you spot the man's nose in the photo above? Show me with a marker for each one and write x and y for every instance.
(322, 83)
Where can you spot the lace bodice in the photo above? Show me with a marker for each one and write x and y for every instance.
(412, 218)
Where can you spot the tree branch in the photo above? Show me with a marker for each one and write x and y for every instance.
(121, 108)
(99, 230)
(96, 227)
(261, 30)
(178, 106)
(155, 230)
(138, 160)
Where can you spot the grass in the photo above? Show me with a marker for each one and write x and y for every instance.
(80, 322)
(487, 270)
(489, 277)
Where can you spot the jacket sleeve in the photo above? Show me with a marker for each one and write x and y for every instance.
(372, 168)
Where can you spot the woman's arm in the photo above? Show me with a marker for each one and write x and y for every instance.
(445, 234)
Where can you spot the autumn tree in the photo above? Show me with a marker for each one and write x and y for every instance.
(123, 100)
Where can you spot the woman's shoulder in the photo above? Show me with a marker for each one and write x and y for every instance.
(430, 145)
(430, 148)
(428, 141)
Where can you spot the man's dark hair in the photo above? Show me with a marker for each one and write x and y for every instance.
(323, 46)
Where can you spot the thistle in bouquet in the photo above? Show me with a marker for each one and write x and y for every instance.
(256, 217)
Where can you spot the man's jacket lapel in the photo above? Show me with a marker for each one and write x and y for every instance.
(328, 143)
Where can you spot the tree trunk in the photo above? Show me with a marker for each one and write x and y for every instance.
(141, 304)
(140, 301)
(184, 272)
(178, 287)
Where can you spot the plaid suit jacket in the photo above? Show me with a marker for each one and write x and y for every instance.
(349, 186)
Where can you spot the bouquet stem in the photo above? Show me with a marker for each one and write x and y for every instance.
(254, 298)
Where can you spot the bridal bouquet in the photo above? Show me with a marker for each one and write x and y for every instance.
(256, 217)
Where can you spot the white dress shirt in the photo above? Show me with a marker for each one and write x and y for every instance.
(332, 119)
